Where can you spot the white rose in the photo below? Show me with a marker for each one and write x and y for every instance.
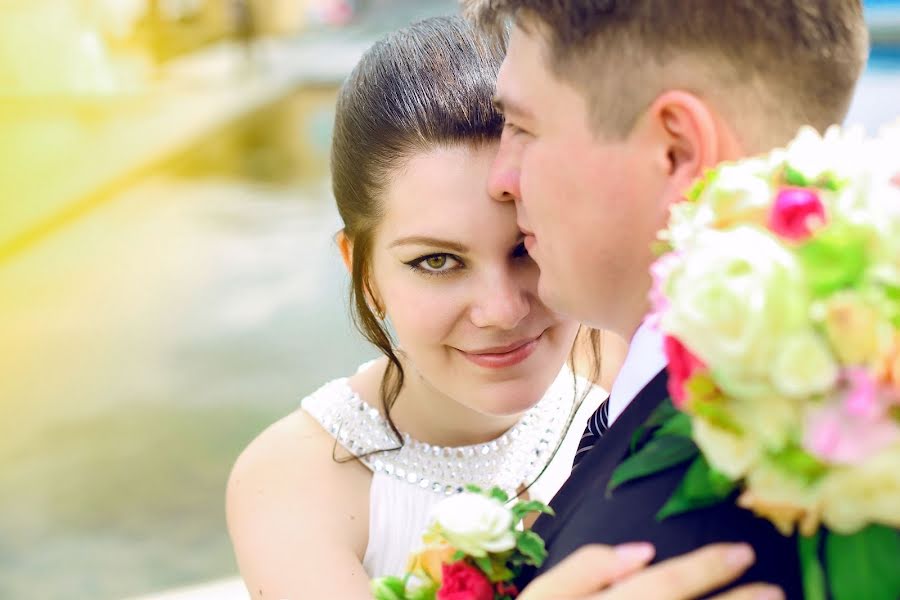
(687, 220)
(804, 366)
(738, 194)
(839, 152)
(475, 524)
(736, 297)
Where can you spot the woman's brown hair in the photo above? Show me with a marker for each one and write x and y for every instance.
(425, 86)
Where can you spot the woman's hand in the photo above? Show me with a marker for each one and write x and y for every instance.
(597, 572)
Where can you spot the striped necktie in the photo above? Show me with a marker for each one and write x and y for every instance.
(596, 427)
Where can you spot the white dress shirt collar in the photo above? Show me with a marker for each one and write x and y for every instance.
(644, 360)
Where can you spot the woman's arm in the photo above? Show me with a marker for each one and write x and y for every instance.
(298, 519)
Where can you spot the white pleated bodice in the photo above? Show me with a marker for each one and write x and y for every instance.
(407, 482)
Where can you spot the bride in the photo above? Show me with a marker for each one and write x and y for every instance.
(479, 386)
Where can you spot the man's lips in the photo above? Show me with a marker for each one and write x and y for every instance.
(500, 357)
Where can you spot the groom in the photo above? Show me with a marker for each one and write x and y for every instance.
(613, 108)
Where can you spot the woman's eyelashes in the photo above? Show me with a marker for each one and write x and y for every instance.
(444, 263)
(440, 263)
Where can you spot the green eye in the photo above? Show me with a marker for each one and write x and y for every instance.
(436, 262)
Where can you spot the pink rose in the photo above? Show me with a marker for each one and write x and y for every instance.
(462, 581)
(796, 213)
(855, 425)
(682, 366)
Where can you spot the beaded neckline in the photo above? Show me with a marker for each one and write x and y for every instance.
(514, 459)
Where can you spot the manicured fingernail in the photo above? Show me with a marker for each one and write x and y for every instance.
(739, 555)
(635, 553)
(770, 593)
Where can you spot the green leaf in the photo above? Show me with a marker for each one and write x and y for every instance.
(717, 415)
(527, 506)
(699, 186)
(658, 454)
(388, 588)
(835, 259)
(660, 247)
(799, 463)
(470, 487)
(864, 564)
(484, 563)
(662, 413)
(679, 424)
(702, 486)
(813, 575)
(794, 177)
(532, 546)
(423, 593)
(457, 556)
(502, 573)
(498, 494)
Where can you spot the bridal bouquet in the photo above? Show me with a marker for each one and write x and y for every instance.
(778, 293)
(473, 549)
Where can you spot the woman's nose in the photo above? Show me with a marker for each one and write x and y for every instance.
(501, 303)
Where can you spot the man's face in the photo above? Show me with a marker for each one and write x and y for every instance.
(590, 205)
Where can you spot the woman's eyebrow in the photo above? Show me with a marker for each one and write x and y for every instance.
(421, 240)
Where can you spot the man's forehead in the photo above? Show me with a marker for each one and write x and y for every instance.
(520, 74)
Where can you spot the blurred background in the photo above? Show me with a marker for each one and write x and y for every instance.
(168, 281)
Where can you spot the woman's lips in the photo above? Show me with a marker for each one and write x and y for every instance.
(501, 358)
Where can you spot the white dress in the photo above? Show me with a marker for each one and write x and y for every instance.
(406, 483)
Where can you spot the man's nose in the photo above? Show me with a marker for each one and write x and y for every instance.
(503, 180)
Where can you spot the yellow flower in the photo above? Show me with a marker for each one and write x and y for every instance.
(786, 501)
(427, 562)
(852, 328)
(856, 496)
(784, 516)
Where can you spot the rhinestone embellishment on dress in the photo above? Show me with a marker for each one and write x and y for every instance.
(514, 459)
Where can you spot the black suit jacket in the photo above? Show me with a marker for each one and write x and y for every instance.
(586, 513)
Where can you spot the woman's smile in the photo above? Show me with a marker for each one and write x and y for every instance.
(501, 357)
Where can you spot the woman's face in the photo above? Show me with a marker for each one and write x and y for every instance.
(451, 272)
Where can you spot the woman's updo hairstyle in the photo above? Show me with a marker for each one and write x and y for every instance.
(425, 86)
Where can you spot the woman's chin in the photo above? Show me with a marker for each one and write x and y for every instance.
(508, 405)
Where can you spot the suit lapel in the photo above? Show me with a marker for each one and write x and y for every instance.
(598, 465)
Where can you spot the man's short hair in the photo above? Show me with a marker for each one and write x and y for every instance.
(768, 65)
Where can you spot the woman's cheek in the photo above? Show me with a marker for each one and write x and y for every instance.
(423, 318)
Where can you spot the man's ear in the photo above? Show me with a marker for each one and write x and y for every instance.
(346, 248)
(690, 134)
